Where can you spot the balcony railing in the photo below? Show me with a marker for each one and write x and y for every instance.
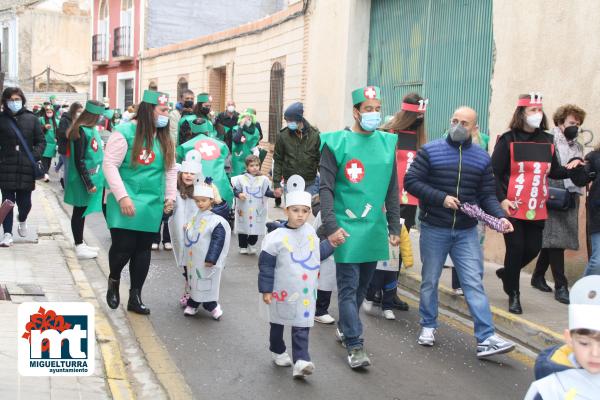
(99, 48)
(123, 43)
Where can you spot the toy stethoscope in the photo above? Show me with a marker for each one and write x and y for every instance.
(303, 262)
(257, 194)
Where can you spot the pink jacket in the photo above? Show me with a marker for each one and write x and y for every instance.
(115, 151)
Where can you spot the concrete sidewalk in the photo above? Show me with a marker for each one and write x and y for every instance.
(543, 319)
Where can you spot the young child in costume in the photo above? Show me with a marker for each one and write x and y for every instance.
(385, 278)
(183, 211)
(206, 241)
(572, 371)
(251, 190)
(288, 270)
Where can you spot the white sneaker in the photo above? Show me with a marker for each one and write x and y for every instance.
(7, 240)
(389, 314)
(458, 292)
(91, 248)
(251, 249)
(281, 360)
(494, 345)
(168, 246)
(339, 336)
(426, 337)
(217, 313)
(83, 253)
(303, 368)
(325, 319)
(154, 246)
(22, 229)
(190, 311)
(46, 178)
(243, 250)
(368, 307)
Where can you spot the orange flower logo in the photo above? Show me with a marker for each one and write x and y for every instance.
(45, 320)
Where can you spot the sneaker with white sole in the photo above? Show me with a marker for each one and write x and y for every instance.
(325, 319)
(154, 246)
(339, 336)
(184, 299)
(426, 337)
(167, 246)
(46, 178)
(251, 249)
(243, 250)
(494, 345)
(217, 313)
(22, 229)
(303, 368)
(189, 311)
(369, 308)
(389, 314)
(83, 253)
(281, 360)
(92, 248)
(7, 240)
(358, 358)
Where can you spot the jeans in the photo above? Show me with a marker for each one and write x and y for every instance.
(299, 342)
(593, 267)
(22, 199)
(463, 246)
(352, 281)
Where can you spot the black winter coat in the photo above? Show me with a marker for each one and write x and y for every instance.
(61, 133)
(16, 170)
(592, 168)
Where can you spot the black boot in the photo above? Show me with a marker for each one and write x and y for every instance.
(112, 293)
(561, 294)
(399, 304)
(377, 297)
(135, 302)
(514, 303)
(539, 283)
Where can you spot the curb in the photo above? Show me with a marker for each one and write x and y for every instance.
(531, 335)
(116, 374)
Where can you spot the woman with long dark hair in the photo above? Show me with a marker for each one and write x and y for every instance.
(139, 166)
(66, 119)
(523, 160)
(17, 178)
(85, 181)
(49, 123)
(409, 125)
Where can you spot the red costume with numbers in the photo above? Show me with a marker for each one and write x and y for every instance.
(406, 151)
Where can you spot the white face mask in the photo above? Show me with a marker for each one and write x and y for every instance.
(230, 109)
(534, 120)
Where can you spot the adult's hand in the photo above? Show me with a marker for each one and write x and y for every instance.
(338, 237)
(508, 206)
(127, 207)
(451, 202)
(93, 190)
(575, 164)
(394, 240)
(168, 206)
(508, 227)
(242, 196)
(278, 192)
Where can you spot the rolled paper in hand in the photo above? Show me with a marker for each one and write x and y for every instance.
(474, 211)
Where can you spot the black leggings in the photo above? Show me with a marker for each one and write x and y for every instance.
(133, 247)
(522, 246)
(77, 222)
(46, 162)
(164, 226)
(22, 199)
(245, 240)
(556, 259)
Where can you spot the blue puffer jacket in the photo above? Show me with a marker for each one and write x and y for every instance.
(443, 167)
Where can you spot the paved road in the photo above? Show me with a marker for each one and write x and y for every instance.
(229, 359)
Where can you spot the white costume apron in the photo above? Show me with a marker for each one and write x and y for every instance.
(182, 213)
(251, 214)
(296, 272)
(327, 280)
(204, 282)
(572, 384)
(392, 264)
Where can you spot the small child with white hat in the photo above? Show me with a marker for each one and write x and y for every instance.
(288, 272)
(572, 371)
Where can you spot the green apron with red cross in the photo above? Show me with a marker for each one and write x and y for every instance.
(365, 163)
(243, 149)
(213, 152)
(76, 193)
(145, 185)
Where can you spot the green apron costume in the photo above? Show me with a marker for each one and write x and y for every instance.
(144, 182)
(365, 163)
(213, 152)
(50, 136)
(76, 193)
(186, 118)
(242, 150)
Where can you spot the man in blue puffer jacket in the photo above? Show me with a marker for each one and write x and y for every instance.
(446, 173)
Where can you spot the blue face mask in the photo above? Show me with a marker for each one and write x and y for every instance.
(162, 121)
(292, 125)
(370, 121)
(14, 105)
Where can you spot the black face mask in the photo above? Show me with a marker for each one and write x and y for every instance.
(415, 125)
(205, 110)
(188, 104)
(571, 132)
